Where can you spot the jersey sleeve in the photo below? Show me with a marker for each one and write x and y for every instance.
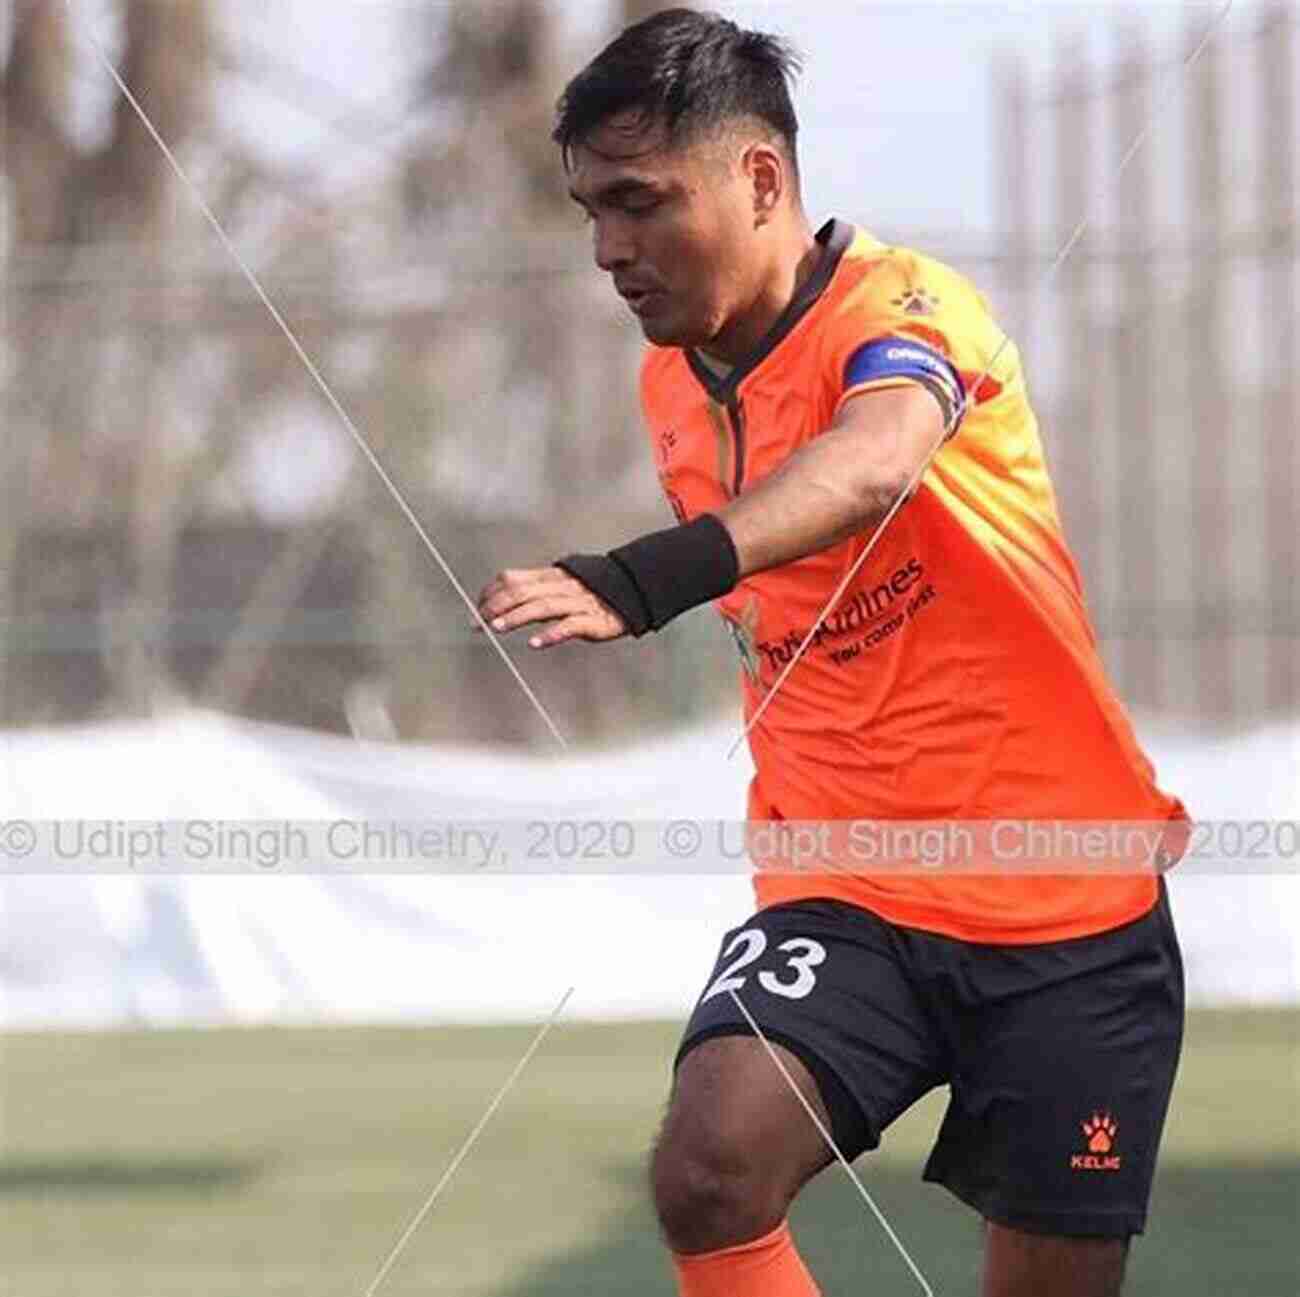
(898, 327)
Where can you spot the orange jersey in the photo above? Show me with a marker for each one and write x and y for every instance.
(957, 677)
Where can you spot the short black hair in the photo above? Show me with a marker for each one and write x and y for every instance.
(693, 71)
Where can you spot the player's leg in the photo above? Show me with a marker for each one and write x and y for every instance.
(735, 1149)
(822, 981)
(1064, 1070)
(1017, 1263)
(736, 1145)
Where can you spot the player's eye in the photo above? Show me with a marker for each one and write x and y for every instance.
(640, 207)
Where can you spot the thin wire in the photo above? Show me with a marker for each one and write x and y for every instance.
(831, 1144)
(960, 409)
(419, 1216)
(361, 443)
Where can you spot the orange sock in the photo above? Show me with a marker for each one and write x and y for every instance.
(764, 1267)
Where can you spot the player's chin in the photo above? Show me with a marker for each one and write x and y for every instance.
(661, 331)
(669, 330)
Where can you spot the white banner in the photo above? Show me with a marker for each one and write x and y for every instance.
(108, 944)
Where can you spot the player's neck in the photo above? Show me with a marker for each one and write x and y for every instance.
(797, 260)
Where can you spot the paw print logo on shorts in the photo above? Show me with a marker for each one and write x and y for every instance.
(1100, 1130)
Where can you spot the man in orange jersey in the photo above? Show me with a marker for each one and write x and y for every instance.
(796, 383)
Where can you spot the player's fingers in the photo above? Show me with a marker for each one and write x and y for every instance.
(545, 608)
(501, 596)
(490, 590)
(512, 580)
(581, 626)
(513, 587)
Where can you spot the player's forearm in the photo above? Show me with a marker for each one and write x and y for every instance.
(824, 494)
(842, 483)
(819, 497)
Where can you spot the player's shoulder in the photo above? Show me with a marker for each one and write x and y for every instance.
(894, 280)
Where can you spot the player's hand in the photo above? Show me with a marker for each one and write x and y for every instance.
(523, 597)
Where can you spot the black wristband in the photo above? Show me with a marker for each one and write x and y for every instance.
(607, 579)
(656, 577)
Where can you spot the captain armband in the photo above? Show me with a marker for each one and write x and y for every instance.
(898, 357)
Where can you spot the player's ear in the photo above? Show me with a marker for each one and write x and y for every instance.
(765, 171)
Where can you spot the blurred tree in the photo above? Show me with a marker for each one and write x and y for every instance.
(123, 408)
(518, 427)
(34, 95)
(67, 199)
(61, 194)
(515, 426)
(495, 381)
(37, 159)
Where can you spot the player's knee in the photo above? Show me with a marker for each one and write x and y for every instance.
(709, 1193)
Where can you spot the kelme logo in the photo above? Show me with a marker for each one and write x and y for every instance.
(1099, 1132)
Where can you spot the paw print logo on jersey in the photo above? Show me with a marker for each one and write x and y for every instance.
(1099, 1131)
(915, 301)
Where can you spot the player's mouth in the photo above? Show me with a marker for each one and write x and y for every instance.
(641, 300)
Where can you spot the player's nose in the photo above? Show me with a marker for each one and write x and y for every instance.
(613, 250)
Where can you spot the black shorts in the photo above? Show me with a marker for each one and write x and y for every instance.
(1060, 1056)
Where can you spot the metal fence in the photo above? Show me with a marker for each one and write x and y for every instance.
(1165, 353)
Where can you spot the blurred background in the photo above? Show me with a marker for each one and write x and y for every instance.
(186, 523)
(210, 607)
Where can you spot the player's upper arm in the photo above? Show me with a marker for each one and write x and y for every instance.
(901, 396)
(891, 430)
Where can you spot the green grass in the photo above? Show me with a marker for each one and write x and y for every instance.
(244, 1163)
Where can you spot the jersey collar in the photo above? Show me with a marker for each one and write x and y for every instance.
(835, 236)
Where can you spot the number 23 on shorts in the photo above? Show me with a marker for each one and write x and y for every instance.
(802, 956)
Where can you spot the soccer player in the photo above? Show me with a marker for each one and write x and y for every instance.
(794, 384)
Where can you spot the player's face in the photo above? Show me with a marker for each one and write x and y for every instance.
(673, 226)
